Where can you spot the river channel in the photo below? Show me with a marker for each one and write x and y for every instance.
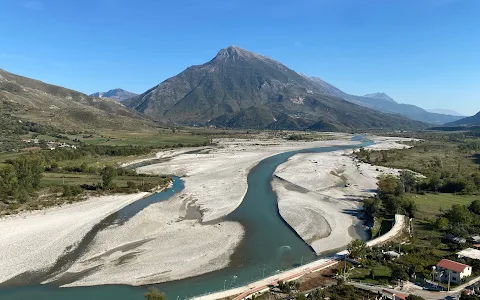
(269, 246)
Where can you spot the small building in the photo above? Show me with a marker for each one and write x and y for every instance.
(392, 254)
(455, 239)
(451, 270)
(469, 253)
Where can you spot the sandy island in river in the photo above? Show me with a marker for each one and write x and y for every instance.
(319, 194)
(180, 238)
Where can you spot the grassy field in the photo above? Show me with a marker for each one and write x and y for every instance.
(50, 179)
(432, 205)
(157, 139)
(381, 273)
(154, 138)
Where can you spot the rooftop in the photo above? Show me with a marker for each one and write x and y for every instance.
(452, 265)
(470, 253)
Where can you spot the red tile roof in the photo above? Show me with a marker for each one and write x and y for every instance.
(452, 265)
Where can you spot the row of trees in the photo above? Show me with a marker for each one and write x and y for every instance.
(390, 198)
(20, 178)
(460, 220)
(448, 167)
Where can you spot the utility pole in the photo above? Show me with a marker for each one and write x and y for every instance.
(449, 273)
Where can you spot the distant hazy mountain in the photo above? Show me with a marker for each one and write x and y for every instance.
(384, 103)
(381, 96)
(241, 89)
(468, 121)
(445, 112)
(46, 104)
(117, 94)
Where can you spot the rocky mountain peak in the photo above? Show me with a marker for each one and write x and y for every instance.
(381, 96)
(117, 94)
(233, 53)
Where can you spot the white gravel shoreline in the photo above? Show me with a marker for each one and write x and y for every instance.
(34, 240)
(318, 193)
(215, 182)
(165, 241)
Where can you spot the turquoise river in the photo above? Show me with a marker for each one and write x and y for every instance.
(269, 245)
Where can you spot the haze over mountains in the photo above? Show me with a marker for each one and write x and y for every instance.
(241, 89)
(117, 94)
(383, 102)
(468, 121)
(445, 112)
(46, 104)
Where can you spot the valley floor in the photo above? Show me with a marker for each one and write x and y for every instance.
(184, 236)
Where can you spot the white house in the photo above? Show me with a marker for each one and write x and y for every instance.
(449, 269)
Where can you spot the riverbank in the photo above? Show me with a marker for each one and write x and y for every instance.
(32, 241)
(320, 194)
(184, 236)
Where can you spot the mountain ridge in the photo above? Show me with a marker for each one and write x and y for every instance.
(117, 94)
(236, 82)
(381, 96)
(47, 104)
(468, 121)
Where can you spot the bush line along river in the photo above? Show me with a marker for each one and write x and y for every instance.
(269, 245)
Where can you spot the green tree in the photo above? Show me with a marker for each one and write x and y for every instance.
(357, 249)
(8, 181)
(441, 223)
(372, 206)
(475, 207)
(387, 186)
(409, 180)
(301, 296)
(399, 273)
(409, 207)
(154, 294)
(458, 215)
(109, 174)
(414, 297)
(464, 296)
(434, 183)
(29, 171)
(84, 167)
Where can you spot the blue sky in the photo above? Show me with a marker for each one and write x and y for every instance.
(424, 52)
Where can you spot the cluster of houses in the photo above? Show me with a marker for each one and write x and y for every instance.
(49, 145)
(451, 271)
(475, 239)
(54, 145)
